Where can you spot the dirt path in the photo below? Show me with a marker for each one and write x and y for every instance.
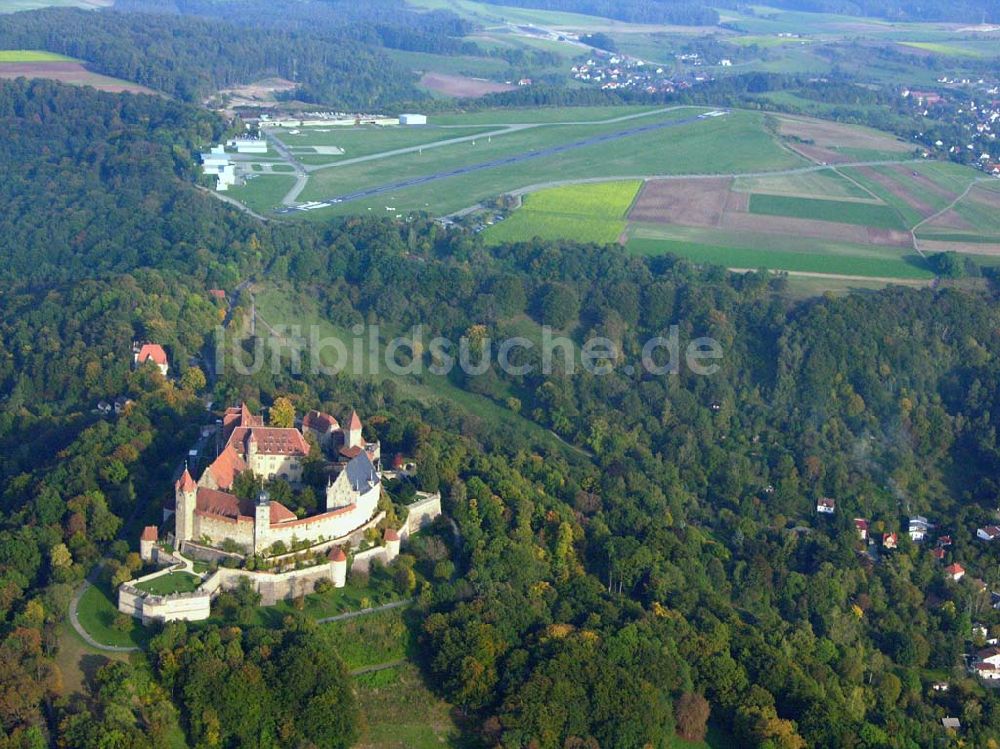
(377, 667)
(74, 619)
(366, 612)
(950, 206)
(844, 277)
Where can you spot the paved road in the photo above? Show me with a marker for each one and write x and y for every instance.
(369, 192)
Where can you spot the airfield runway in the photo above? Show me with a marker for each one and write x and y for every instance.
(370, 192)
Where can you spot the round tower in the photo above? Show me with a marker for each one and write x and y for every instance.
(391, 545)
(186, 499)
(338, 564)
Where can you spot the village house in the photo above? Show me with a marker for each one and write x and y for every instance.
(989, 533)
(862, 526)
(826, 506)
(890, 540)
(987, 664)
(955, 571)
(918, 528)
(150, 352)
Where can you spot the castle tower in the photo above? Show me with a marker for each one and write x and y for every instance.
(354, 431)
(186, 497)
(262, 523)
(391, 545)
(338, 562)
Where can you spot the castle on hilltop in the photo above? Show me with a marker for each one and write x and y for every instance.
(208, 513)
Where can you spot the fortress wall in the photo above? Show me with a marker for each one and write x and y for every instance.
(218, 530)
(420, 514)
(191, 607)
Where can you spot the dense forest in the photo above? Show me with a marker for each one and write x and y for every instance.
(681, 12)
(660, 564)
(190, 58)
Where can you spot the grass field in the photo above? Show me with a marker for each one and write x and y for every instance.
(860, 214)
(402, 713)
(32, 55)
(583, 213)
(822, 184)
(733, 143)
(371, 640)
(97, 612)
(174, 582)
(363, 141)
(264, 192)
(279, 306)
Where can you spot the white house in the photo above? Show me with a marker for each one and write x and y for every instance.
(919, 525)
(826, 506)
(249, 145)
(989, 533)
(413, 119)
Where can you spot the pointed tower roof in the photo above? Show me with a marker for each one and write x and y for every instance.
(186, 483)
(337, 555)
(355, 422)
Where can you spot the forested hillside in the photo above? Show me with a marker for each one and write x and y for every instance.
(190, 58)
(694, 13)
(662, 563)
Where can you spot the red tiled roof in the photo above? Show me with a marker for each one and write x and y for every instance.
(186, 483)
(337, 555)
(944, 541)
(152, 352)
(391, 534)
(149, 533)
(281, 514)
(355, 422)
(987, 653)
(220, 504)
(319, 422)
(938, 553)
(351, 452)
(954, 568)
(269, 440)
(985, 667)
(226, 467)
(217, 293)
(398, 461)
(239, 416)
(861, 524)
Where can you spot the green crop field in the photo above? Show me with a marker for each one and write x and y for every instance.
(583, 213)
(803, 261)
(861, 214)
(173, 582)
(32, 55)
(821, 184)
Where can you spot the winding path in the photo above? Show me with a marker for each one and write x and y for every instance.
(74, 619)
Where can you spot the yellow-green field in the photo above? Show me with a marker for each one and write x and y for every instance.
(582, 213)
(31, 55)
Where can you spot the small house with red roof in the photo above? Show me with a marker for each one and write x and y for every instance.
(955, 571)
(150, 352)
(890, 540)
(826, 506)
(862, 527)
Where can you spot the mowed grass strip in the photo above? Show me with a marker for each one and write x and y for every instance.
(174, 582)
(837, 211)
(32, 55)
(582, 213)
